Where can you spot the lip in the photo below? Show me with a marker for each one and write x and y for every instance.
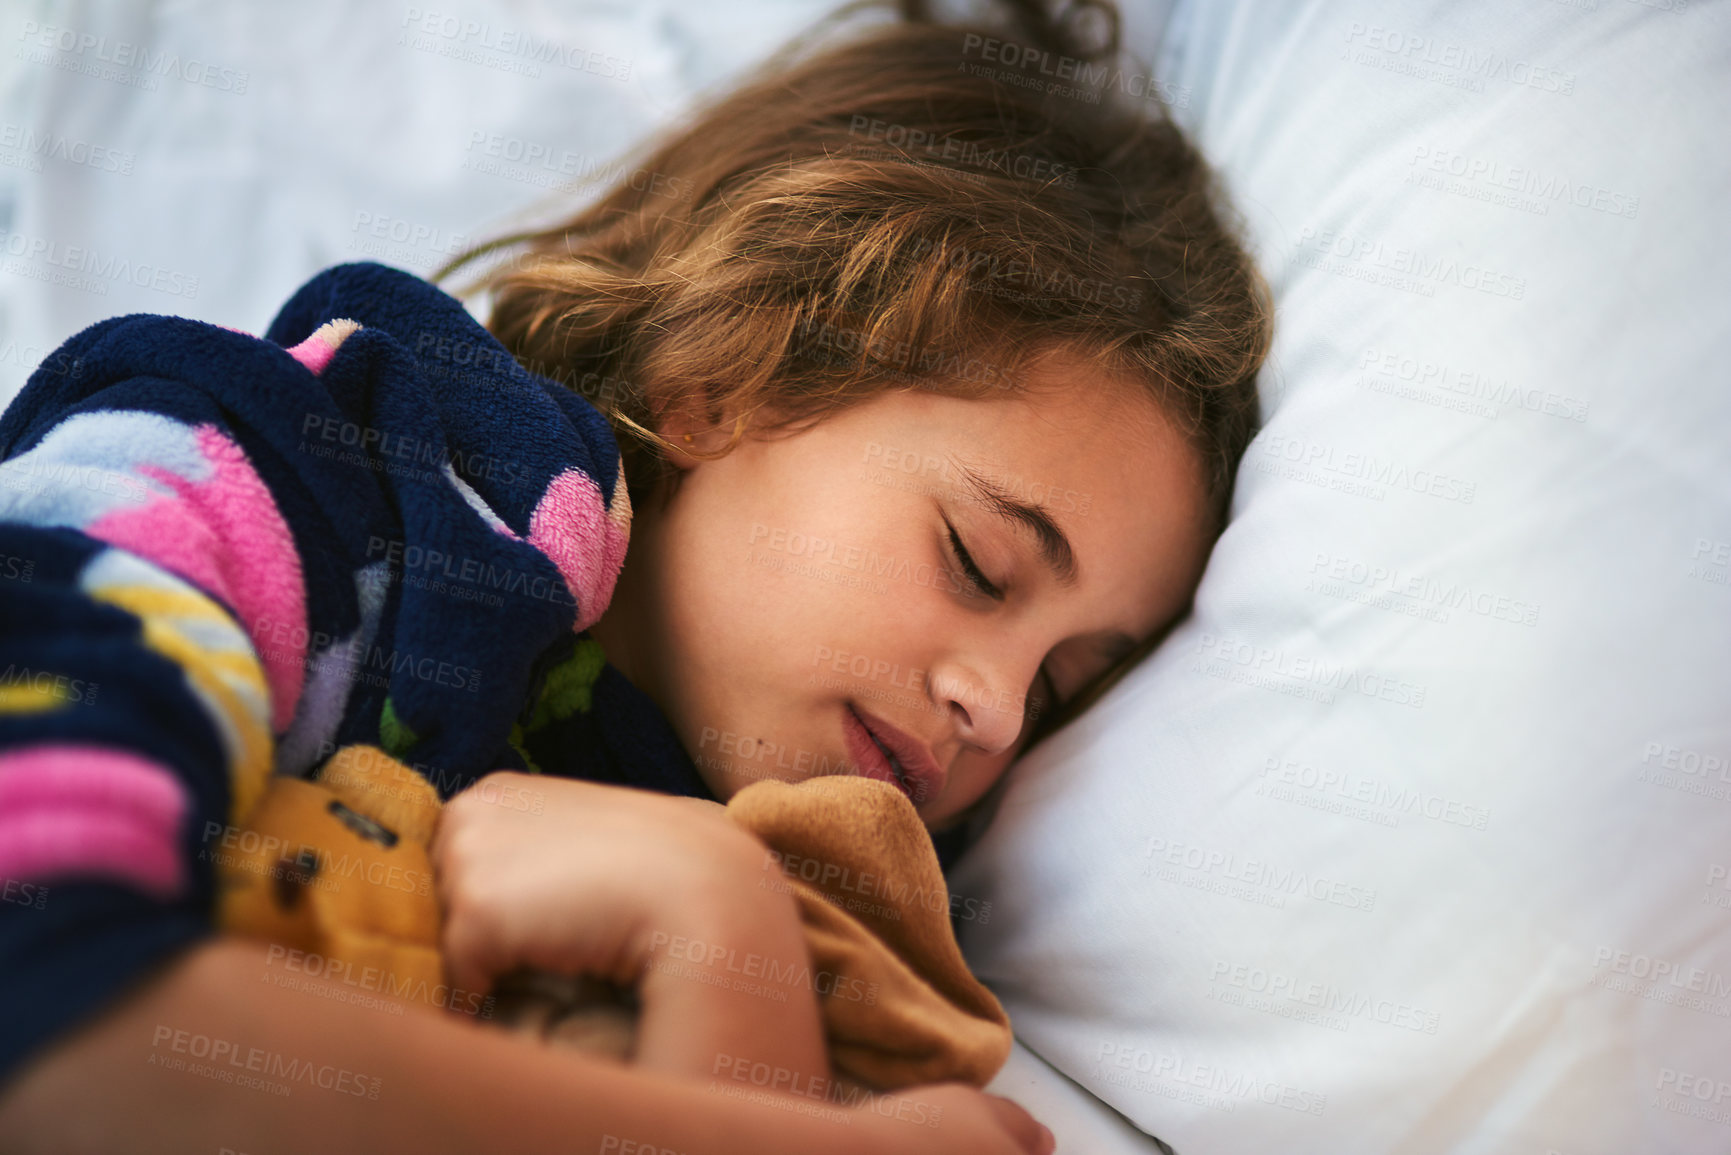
(924, 778)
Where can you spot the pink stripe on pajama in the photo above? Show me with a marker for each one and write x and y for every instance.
(227, 537)
(583, 538)
(90, 811)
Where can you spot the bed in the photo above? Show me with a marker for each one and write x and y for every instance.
(1415, 836)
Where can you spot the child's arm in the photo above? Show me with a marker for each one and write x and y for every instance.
(444, 1085)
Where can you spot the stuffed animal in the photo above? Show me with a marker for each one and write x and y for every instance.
(338, 869)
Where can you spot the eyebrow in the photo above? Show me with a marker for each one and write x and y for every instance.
(1055, 548)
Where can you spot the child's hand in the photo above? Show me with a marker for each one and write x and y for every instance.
(639, 888)
(952, 1119)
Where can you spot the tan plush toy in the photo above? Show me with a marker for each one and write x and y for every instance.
(338, 868)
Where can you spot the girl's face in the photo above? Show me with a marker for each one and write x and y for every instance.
(805, 598)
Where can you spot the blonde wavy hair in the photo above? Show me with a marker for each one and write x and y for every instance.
(902, 209)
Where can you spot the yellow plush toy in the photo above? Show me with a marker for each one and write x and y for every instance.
(339, 871)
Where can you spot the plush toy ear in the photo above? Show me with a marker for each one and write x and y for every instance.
(901, 1007)
(376, 787)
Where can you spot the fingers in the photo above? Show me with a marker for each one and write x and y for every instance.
(453, 816)
(461, 809)
(474, 934)
(473, 945)
(1027, 1131)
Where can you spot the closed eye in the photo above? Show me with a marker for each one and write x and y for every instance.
(966, 561)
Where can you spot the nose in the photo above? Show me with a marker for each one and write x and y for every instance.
(985, 700)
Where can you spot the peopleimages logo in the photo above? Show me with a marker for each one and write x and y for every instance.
(1287, 779)
(32, 894)
(88, 53)
(268, 1071)
(1333, 1005)
(1024, 66)
(336, 974)
(86, 269)
(1399, 266)
(896, 891)
(1465, 66)
(857, 559)
(224, 844)
(1463, 388)
(1277, 668)
(547, 166)
(1331, 467)
(1525, 187)
(31, 146)
(784, 1081)
(1609, 961)
(1421, 595)
(1120, 1062)
(47, 685)
(507, 49)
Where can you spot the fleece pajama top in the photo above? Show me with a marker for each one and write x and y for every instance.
(223, 557)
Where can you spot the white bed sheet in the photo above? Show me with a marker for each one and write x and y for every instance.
(1082, 1124)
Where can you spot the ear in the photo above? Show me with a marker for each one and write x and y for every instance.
(688, 430)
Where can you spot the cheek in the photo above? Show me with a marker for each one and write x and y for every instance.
(970, 778)
(736, 597)
(974, 773)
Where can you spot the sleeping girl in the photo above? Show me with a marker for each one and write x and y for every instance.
(873, 442)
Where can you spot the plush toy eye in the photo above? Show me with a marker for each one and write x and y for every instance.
(362, 825)
(293, 875)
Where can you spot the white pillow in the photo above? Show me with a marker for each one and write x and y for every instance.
(1416, 836)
